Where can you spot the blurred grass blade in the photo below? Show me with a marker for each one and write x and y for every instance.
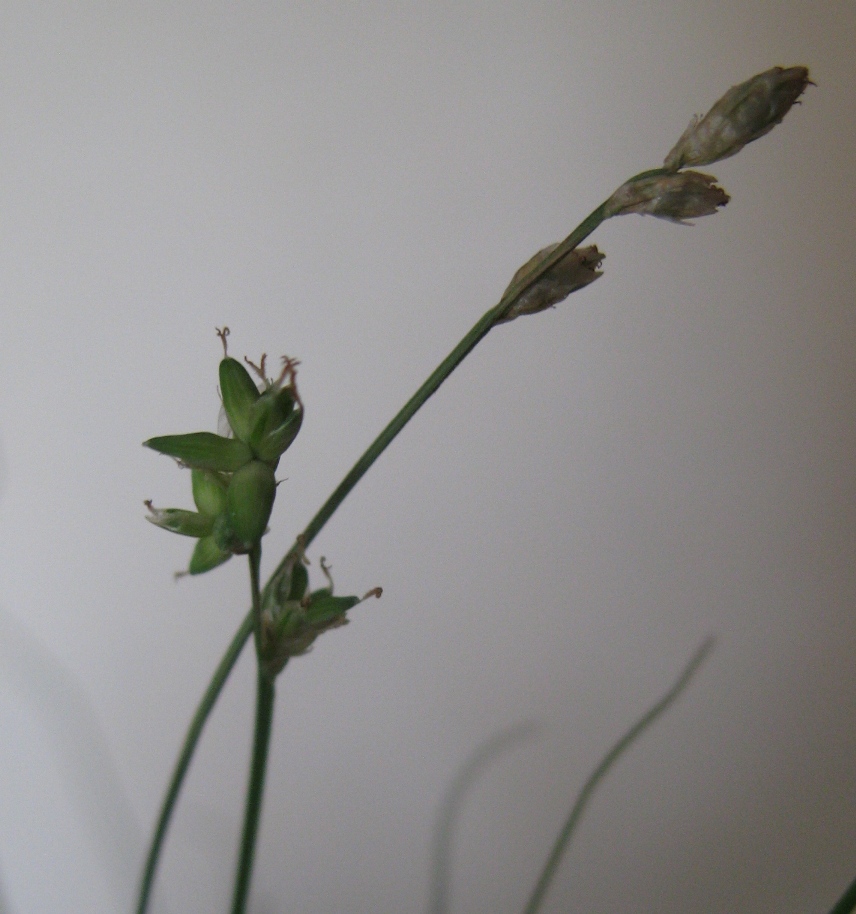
(601, 770)
(847, 903)
(453, 799)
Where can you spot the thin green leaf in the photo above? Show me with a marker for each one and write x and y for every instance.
(603, 768)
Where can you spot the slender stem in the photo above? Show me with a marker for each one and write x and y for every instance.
(221, 674)
(601, 770)
(255, 557)
(255, 790)
(261, 742)
(478, 332)
(209, 699)
(378, 446)
(847, 903)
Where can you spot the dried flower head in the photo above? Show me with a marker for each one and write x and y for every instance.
(677, 197)
(745, 113)
(576, 269)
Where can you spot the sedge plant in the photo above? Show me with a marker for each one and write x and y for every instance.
(233, 474)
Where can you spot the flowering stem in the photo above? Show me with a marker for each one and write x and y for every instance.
(479, 330)
(261, 743)
(255, 557)
(255, 790)
(209, 699)
(601, 770)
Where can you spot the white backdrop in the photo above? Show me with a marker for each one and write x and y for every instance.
(667, 455)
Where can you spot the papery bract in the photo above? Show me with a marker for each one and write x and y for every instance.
(677, 197)
(575, 270)
(745, 113)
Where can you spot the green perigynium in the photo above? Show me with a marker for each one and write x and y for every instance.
(203, 451)
(266, 421)
(233, 477)
(176, 520)
(249, 501)
(207, 554)
(209, 491)
(209, 494)
(240, 394)
(293, 617)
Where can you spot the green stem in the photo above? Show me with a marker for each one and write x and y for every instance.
(255, 790)
(255, 557)
(601, 770)
(261, 743)
(375, 449)
(209, 699)
(478, 332)
(221, 674)
(847, 903)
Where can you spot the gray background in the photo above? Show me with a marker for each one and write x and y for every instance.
(667, 455)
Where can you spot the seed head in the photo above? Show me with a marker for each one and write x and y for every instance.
(745, 113)
(576, 269)
(677, 197)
